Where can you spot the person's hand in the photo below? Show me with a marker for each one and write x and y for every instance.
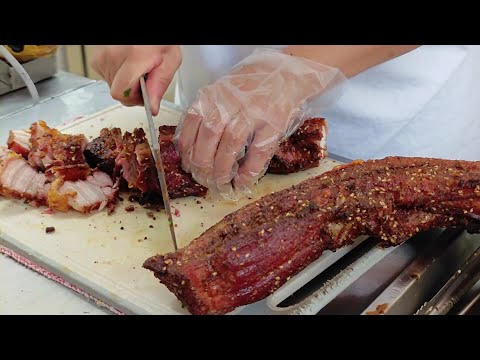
(232, 130)
(122, 66)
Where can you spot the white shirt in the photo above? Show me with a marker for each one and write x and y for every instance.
(424, 103)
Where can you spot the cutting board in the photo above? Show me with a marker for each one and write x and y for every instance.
(103, 254)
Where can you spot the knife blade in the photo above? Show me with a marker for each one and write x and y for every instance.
(155, 148)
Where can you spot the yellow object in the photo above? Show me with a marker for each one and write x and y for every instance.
(24, 53)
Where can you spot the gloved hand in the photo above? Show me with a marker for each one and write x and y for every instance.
(232, 130)
(122, 66)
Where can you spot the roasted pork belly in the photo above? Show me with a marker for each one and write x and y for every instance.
(255, 250)
(303, 150)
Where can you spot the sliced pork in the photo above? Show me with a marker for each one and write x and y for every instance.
(59, 155)
(94, 193)
(20, 181)
(19, 142)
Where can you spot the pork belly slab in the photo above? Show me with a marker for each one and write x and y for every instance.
(255, 250)
(134, 161)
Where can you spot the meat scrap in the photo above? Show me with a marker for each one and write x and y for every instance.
(303, 150)
(255, 250)
(179, 183)
(136, 165)
(102, 151)
(49, 229)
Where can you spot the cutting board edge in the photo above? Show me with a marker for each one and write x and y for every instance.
(81, 282)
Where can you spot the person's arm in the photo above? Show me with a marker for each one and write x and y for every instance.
(350, 59)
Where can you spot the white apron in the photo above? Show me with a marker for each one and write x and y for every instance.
(424, 103)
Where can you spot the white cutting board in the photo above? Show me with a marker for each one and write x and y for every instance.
(92, 252)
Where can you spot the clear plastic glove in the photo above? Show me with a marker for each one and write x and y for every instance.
(232, 130)
(122, 66)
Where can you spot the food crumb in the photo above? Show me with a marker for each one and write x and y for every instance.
(175, 225)
(201, 207)
(199, 202)
(95, 262)
(150, 214)
(176, 212)
(130, 208)
(120, 198)
(154, 218)
(201, 224)
(380, 310)
(145, 238)
(49, 229)
(122, 228)
(150, 226)
(133, 198)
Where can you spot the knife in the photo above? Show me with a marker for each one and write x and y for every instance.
(155, 148)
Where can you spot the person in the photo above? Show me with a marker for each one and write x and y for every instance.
(242, 100)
